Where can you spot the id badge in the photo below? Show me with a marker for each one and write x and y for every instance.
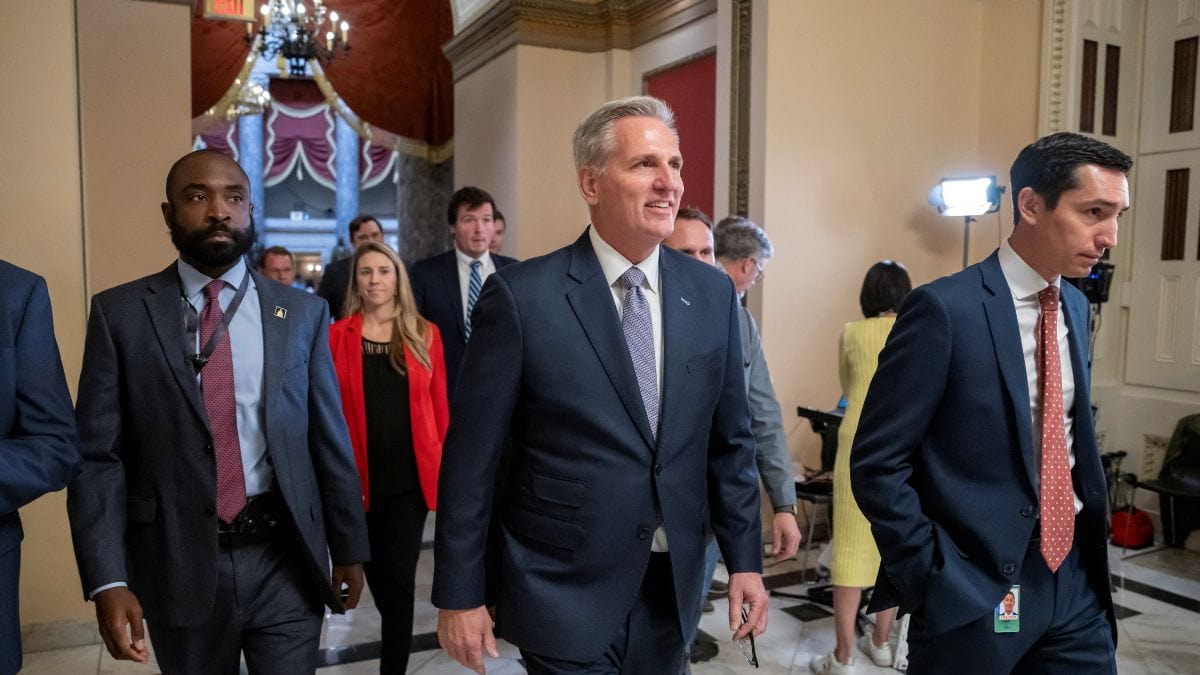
(1008, 612)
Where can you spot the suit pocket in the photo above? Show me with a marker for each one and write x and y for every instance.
(140, 510)
(562, 491)
(706, 361)
(549, 530)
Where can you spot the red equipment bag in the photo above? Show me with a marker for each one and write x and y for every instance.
(1132, 528)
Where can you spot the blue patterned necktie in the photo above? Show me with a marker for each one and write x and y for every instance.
(473, 287)
(639, 337)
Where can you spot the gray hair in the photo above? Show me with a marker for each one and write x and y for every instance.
(594, 138)
(738, 238)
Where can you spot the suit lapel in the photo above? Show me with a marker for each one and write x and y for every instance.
(453, 290)
(275, 342)
(592, 302)
(1087, 465)
(1006, 340)
(165, 305)
(680, 320)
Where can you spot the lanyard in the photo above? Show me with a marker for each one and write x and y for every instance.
(192, 323)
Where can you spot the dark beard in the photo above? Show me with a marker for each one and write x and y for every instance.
(196, 246)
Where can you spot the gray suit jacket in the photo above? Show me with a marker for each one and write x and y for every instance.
(143, 508)
(770, 442)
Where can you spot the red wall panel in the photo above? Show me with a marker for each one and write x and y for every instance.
(691, 91)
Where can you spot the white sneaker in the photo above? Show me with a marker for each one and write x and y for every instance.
(881, 655)
(829, 665)
(900, 630)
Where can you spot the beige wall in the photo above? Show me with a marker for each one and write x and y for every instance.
(41, 229)
(90, 123)
(851, 145)
(513, 124)
(485, 123)
(135, 96)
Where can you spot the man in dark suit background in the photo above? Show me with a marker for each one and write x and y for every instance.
(447, 285)
(976, 458)
(335, 280)
(615, 365)
(217, 476)
(39, 450)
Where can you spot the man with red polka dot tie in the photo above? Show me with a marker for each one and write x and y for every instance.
(976, 458)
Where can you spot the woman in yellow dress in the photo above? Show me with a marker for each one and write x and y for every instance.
(855, 557)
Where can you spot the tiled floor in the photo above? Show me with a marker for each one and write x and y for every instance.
(1159, 635)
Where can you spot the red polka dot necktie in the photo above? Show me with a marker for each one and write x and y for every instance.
(1058, 504)
(216, 384)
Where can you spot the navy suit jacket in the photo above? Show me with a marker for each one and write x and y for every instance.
(943, 462)
(143, 508)
(39, 450)
(588, 482)
(439, 299)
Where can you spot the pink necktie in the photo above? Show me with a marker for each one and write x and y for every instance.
(1058, 504)
(216, 384)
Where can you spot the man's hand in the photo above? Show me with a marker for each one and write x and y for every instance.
(351, 576)
(747, 588)
(785, 535)
(119, 615)
(465, 633)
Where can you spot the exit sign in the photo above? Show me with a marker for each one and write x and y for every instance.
(231, 10)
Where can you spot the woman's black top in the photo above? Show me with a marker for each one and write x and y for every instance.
(391, 463)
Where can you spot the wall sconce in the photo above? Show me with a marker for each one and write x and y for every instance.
(966, 197)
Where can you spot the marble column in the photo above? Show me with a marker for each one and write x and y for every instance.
(422, 195)
(346, 166)
(250, 156)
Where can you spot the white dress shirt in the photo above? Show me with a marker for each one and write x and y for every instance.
(464, 275)
(1025, 283)
(613, 264)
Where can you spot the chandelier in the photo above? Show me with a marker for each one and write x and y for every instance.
(294, 32)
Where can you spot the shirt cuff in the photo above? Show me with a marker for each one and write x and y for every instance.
(105, 587)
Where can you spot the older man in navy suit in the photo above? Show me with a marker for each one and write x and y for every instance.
(39, 450)
(217, 476)
(976, 460)
(615, 365)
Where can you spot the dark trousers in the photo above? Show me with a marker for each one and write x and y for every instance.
(649, 640)
(1063, 629)
(10, 623)
(394, 526)
(265, 607)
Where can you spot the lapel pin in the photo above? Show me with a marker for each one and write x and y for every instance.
(280, 313)
(685, 301)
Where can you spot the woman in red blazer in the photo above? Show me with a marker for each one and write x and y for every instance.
(392, 375)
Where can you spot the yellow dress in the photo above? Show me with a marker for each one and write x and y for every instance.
(855, 556)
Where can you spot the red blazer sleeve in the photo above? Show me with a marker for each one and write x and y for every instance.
(437, 384)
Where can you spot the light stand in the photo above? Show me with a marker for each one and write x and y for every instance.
(966, 197)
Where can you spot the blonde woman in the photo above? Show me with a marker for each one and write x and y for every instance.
(392, 375)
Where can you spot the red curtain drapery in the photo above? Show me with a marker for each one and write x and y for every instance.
(219, 51)
(396, 76)
(300, 138)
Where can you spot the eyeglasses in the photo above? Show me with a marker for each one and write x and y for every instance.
(747, 643)
(762, 270)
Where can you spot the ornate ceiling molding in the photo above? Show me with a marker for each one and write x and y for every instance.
(575, 25)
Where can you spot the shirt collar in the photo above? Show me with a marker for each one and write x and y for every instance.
(194, 280)
(466, 260)
(1023, 281)
(614, 264)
